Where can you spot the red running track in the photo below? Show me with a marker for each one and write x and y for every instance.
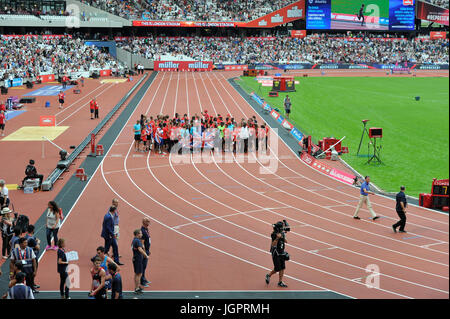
(211, 221)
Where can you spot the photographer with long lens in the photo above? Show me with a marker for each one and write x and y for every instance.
(279, 255)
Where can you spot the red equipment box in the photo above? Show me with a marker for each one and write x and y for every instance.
(425, 200)
(326, 142)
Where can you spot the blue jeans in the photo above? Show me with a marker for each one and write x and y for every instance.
(51, 232)
(112, 242)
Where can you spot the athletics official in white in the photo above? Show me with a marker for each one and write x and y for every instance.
(364, 199)
(244, 134)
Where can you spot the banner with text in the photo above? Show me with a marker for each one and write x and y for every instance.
(326, 169)
(183, 65)
(236, 67)
(435, 35)
(429, 12)
(298, 34)
(292, 12)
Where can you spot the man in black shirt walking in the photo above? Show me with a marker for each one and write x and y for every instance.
(278, 254)
(401, 211)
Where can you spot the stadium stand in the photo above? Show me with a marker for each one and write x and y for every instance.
(188, 10)
(440, 3)
(314, 49)
(27, 57)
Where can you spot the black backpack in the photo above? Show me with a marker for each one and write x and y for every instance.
(22, 223)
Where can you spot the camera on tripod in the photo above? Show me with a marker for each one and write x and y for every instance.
(280, 227)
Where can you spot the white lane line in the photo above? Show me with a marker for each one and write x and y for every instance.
(336, 211)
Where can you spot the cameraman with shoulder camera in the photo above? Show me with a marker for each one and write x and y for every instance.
(279, 256)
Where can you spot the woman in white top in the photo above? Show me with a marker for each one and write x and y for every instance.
(53, 224)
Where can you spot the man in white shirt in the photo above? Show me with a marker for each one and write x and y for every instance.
(4, 194)
(243, 136)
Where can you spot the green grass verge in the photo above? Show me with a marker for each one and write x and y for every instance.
(372, 8)
(415, 143)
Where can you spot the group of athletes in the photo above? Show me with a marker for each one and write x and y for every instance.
(198, 133)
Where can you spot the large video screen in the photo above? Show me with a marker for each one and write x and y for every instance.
(360, 14)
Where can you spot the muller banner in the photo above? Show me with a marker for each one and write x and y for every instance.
(183, 66)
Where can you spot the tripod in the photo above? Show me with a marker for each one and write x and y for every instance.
(362, 135)
(376, 152)
(259, 92)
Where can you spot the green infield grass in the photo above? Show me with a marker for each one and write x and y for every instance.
(415, 143)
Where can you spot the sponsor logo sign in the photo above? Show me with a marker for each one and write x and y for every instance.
(236, 67)
(46, 78)
(275, 114)
(297, 134)
(183, 65)
(47, 120)
(298, 34)
(287, 125)
(326, 169)
(434, 35)
(105, 72)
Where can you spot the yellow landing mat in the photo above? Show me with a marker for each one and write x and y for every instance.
(113, 81)
(11, 187)
(35, 133)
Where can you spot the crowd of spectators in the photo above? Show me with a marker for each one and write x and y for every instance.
(440, 3)
(312, 49)
(189, 10)
(29, 56)
(32, 11)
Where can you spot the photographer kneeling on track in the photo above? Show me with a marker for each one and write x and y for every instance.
(279, 256)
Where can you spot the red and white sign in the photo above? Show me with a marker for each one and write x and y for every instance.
(441, 182)
(434, 35)
(275, 114)
(287, 125)
(408, 2)
(187, 24)
(105, 72)
(47, 120)
(298, 34)
(342, 176)
(46, 78)
(183, 65)
(236, 67)
(326, 169)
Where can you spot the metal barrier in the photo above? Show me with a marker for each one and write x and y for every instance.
(63, 165)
